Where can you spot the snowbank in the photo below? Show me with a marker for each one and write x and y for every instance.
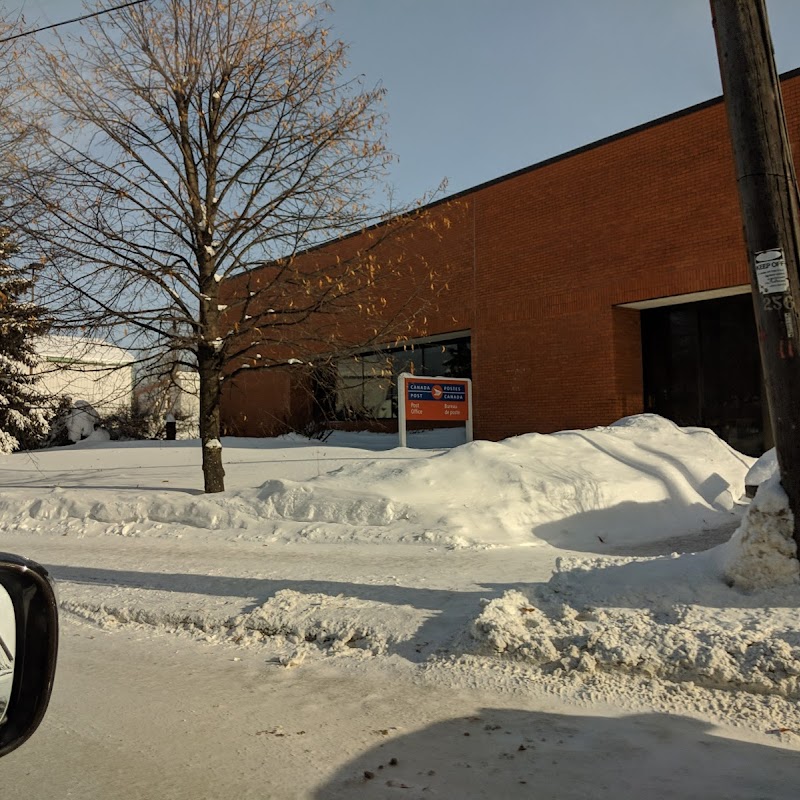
(673, 618)
(681, 625)
(762, 552)
(764, 468)
(563, 628)
(642, 479)
(296, 624)
(722, 619)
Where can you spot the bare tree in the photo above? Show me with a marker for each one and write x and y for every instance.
(25, 406)
(199, 144)
(19, 132)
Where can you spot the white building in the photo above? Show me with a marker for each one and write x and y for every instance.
(176, 397)
(86, 369)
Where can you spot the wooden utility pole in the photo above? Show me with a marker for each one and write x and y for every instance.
(769, 202)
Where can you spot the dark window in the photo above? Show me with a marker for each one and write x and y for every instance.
(408, 359)
(702, 367)
(366, 385)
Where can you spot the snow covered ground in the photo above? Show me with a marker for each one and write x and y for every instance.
(584, 573)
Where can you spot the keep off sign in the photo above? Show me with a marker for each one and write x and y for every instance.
(425, 399)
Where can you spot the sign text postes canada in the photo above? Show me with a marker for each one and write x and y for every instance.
(454, 392)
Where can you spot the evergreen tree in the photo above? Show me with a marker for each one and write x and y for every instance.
(24, 409)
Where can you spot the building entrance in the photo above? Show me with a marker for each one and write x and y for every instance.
(702, 367)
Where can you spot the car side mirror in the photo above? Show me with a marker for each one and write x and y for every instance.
(28, 648)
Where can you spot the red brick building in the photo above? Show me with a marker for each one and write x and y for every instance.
(604, 282)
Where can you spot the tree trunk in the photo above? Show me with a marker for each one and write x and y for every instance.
(213, 472)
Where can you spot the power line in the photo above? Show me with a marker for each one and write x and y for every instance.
(70, 21)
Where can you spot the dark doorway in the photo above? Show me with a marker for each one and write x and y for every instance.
(702, 367)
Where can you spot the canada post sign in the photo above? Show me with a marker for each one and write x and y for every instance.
(439, 400)
(425, 399)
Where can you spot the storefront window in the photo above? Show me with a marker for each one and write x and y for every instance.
(456, 360)
(349, 388)
(377, 386)
(407, 360)
(366, 384)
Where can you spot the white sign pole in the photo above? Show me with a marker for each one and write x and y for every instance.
(401, 407)
(469, 410)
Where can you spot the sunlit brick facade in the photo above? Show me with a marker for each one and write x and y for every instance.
(553, 270)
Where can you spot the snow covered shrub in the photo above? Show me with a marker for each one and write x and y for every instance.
(78, 420)
(72, 422)
(82, 419)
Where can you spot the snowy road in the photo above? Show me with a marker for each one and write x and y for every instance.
(145, 717)
(144, 713)
(209, 582)
(383, 623)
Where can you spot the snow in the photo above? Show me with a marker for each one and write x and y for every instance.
(80, 421)
(592, 572)
(762, 552)
(84, 350)
(764, 468)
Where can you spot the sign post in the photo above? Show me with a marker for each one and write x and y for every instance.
(433, 400)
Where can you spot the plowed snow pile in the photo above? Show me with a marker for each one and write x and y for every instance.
(309, 554)
(641, 479)
(723, 619)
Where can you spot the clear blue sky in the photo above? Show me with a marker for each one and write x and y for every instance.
(480, 88)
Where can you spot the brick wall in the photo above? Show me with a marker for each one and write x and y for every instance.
(538, 262)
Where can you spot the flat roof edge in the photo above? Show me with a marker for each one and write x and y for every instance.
(673, 115)
(683, 112)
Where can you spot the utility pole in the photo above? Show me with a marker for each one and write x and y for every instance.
(768, 199)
